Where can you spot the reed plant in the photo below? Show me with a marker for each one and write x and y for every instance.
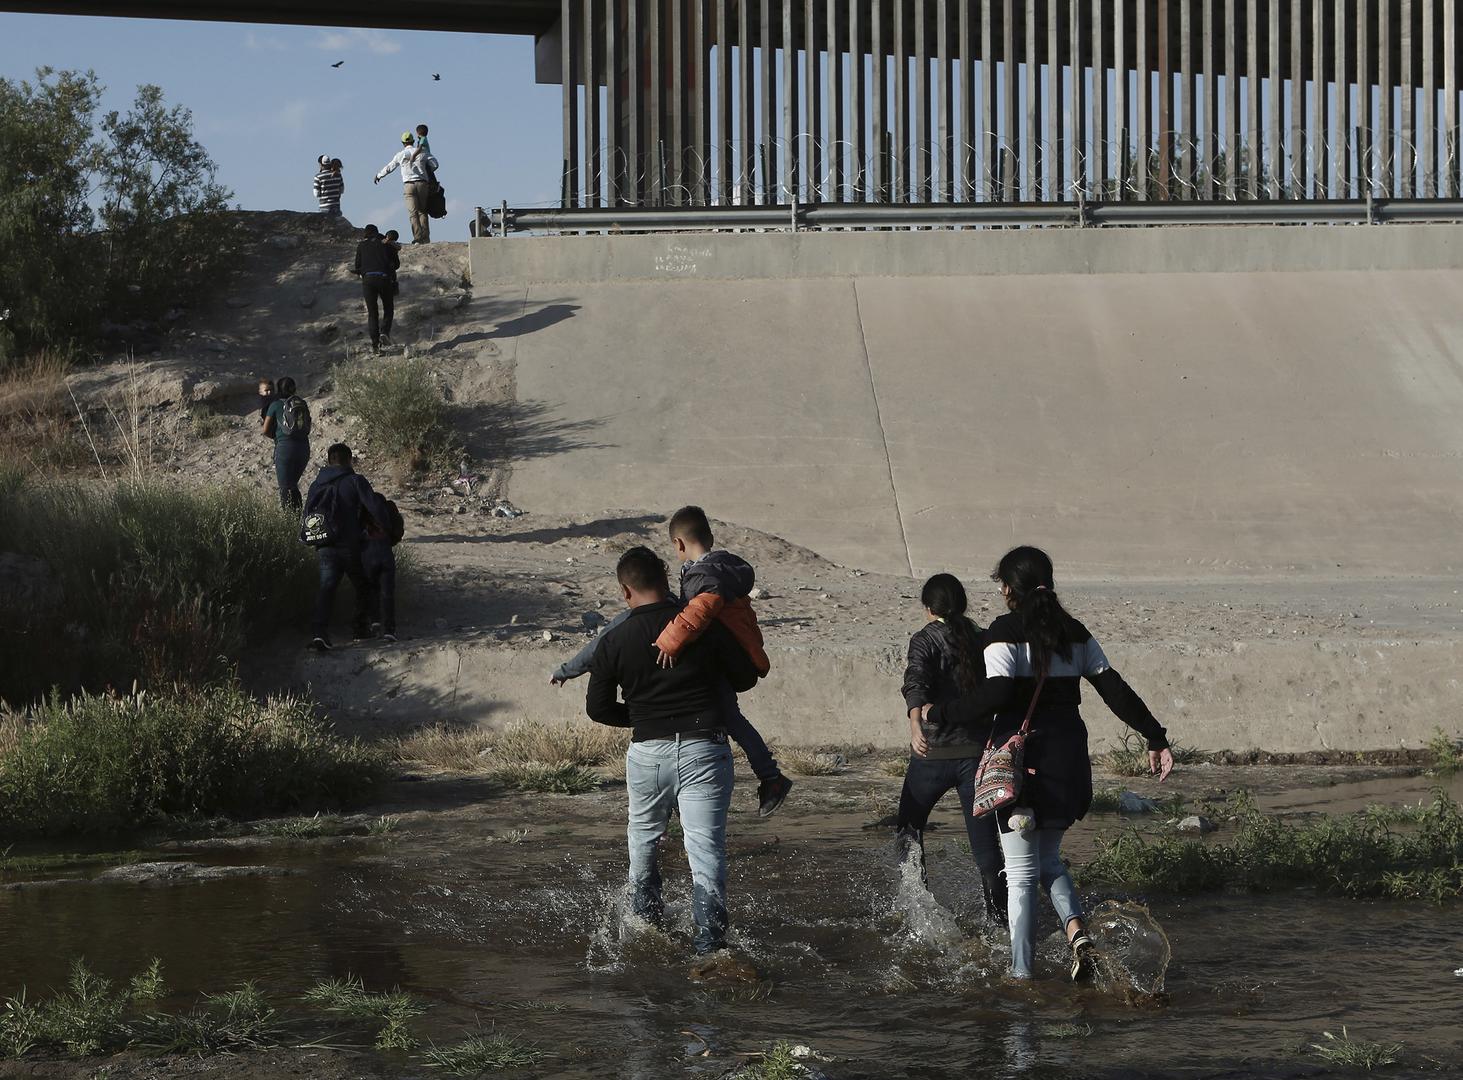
(104, 764)
(144, 580)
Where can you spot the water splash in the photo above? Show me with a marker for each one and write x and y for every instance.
(1132, 950)
(925, 918)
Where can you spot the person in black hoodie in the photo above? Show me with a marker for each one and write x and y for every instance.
(945, 661)
(1039, 651)
(377, 263)
(351, 493)
(678, 757)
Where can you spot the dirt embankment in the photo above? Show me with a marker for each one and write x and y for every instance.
(494, 604)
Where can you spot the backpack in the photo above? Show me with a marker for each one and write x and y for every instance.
(321, 524)
(394, 527)
(436, 200)
(294, 418)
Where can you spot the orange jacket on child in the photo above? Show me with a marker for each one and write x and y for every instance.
(715, 587)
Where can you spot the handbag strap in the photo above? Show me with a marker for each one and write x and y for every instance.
(1030, 712)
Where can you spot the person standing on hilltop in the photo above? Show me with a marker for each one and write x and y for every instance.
(329, 186)
(417, 171)
(376, 265)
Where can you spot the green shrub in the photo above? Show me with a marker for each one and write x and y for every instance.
(100, 764)
(106, 214)
(1354, 854)
(1447, 753)
(151, 580)
(399, 411)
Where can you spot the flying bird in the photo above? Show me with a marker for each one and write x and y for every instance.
(436, 78)
(337, 63)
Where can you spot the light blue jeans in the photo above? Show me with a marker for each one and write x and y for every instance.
(696, 777)
(1032, 858)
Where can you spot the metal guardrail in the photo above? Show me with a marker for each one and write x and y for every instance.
(793, 217)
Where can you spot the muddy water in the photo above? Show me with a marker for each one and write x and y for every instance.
(884, 980)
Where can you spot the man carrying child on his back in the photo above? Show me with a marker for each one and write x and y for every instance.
(714, 588)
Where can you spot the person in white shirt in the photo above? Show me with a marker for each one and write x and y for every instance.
(416, 174)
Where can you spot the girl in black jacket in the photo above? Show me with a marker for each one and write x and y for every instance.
(945, 662)
(1039, 642)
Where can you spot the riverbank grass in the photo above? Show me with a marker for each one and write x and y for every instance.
(1355, 1053)
(101, 764)
(394, 1009)
(142, 580)
(1366, 854)
(776, 1064)
(483, 1053)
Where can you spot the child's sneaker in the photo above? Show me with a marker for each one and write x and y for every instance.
(771, 793)
(1082, 952)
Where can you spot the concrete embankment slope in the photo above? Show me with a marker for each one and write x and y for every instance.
(1144, 403)
(1253, 432)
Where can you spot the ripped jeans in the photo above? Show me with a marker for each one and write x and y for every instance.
(1031, 858)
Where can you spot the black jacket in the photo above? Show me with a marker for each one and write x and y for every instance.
(930, 679)
(729, 576)
(1060, 790)
(663, 701)
(375, 256)
(355, 495)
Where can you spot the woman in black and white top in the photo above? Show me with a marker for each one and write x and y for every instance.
(1039, 638)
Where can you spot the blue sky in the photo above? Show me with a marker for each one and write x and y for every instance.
(266, 103)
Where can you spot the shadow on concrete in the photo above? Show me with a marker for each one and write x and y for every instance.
(505, 432)
(530, 322)
(644, 525)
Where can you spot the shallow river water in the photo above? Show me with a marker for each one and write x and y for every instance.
(884, 981)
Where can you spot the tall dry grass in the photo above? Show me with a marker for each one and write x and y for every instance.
(146, 580)
(523, 743)
(38, 426)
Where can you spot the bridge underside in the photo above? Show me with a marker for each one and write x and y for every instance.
(533, 17)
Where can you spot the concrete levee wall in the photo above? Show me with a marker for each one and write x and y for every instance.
(971, 252)
(1281, 696)
(1247, 404)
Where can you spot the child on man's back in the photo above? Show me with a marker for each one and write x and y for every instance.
(715, 586)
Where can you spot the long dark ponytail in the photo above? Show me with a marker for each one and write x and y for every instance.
(1027, 572)
(944, 596)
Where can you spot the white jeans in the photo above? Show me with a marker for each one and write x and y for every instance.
(1032, 858)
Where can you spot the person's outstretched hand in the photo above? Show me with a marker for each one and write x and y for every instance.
(1160, 763)
(663, 658)
(376, 181)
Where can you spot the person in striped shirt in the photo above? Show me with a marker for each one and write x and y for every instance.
(329, 185)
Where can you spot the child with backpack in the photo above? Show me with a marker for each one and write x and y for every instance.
(384, 530)
(287, 421)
